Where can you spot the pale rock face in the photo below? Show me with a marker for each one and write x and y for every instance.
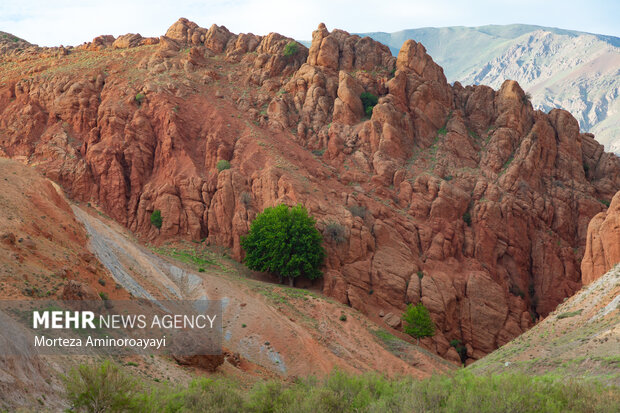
(484, 196)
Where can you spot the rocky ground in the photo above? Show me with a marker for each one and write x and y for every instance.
(464, 198)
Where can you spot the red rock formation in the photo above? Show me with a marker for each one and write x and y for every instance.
(603, 243)
(464, 198)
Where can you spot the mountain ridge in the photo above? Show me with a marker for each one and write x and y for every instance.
(491, 54)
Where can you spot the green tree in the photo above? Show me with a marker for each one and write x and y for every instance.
(285, 242)
(419, 323)
(103, 388)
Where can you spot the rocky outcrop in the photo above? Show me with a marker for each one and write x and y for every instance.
(464, 198)
(603, 243)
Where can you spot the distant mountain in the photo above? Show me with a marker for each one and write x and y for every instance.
(577, 71)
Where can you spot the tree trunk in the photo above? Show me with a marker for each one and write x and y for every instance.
(279, 278)
(418, 341)
(291, 281)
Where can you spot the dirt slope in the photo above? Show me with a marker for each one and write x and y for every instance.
(42, 251)
(464, 198)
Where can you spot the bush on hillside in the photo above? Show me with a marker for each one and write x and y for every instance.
(103, 388)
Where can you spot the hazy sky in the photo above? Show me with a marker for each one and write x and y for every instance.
(67, 22)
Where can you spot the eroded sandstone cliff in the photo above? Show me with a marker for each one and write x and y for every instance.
(464, 198)
(603, 243)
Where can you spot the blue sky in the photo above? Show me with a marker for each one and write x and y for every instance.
(68, 22)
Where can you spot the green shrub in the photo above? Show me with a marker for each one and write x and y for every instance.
(467, 218)
(285, 242)
(420, 274)
(418, 322)
(140, 97)
(102, 282)
(343, 317)
(104, 296)
(156, 219)
(291, 49)
(103, 388)
(604, 202)
(368, 101)
(222, 165)
(461, 391)
(460, 349)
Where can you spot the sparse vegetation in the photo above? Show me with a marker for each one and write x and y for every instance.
(291, 49)
(193, 257)
(222, 165)
(604, 202)
(467, 218)
(420, 274)
(140, 98)
(418, 322)
(516, 291)
(335, 233)
(569, 314)
(102, 388)
(358, 211)
(369, 101)
(285, 242)
(156, 219)
(460, 349)
(343, 317)
(246, 198)
(99, 388)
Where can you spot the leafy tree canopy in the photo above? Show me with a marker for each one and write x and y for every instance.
(284, 241)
